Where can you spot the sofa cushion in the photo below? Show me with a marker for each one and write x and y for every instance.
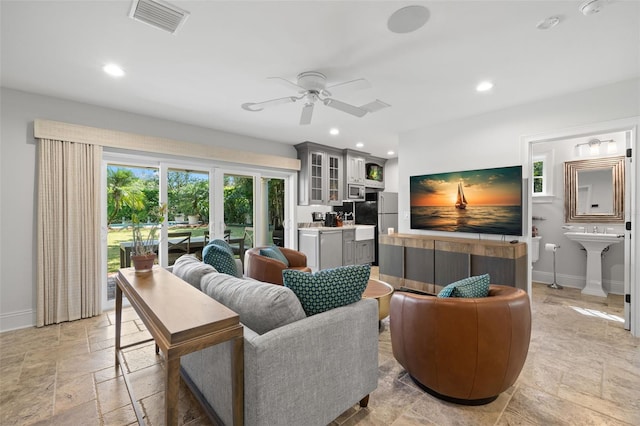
(191, 270)
(262, 307)
(274, 253)
(219, 255)
(477, 286)
(328, 289)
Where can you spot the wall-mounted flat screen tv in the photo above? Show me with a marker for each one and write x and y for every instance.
(487, 201)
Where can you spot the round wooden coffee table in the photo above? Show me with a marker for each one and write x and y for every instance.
(381, 291)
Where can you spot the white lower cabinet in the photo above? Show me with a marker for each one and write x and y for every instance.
(322, 247)
(332, 247)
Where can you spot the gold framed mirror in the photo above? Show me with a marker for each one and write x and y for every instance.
(594, 190)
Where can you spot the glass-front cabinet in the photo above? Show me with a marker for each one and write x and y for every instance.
(320, 178)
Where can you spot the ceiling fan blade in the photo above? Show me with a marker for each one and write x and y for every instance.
(307, 112)
(357, 84)
(374, 106)
(344, 107)
(259, 106)
(288, 84)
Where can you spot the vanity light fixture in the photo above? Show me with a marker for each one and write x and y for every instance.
(484, 86)
(113, 70)
(594, 146)
(334, 131)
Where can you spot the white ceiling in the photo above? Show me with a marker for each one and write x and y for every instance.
(226, 50)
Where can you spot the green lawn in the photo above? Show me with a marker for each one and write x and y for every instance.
(116, 236)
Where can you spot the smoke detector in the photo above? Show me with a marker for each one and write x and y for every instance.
(158, 14)
(590, 7)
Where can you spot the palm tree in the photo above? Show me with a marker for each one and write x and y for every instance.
(123, 189)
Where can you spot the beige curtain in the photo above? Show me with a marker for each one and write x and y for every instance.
(68, 258)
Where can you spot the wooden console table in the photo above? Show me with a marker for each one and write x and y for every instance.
(181, 320)
(430, 262)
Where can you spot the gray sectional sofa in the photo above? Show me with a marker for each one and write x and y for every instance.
(298, 370)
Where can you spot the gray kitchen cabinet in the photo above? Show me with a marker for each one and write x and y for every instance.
(364, 252)
(348, 246)
(320, 180)
(355, 167)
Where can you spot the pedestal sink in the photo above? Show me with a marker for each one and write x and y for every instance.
(594, 244)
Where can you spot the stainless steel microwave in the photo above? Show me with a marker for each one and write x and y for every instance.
(355, 192)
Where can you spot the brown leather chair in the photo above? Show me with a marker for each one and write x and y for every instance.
(269, 270)
(465, 351)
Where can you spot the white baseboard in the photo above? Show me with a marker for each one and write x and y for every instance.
(575, 281)
(16, 320)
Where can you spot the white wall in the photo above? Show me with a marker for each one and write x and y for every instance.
(18, 156)
(571, 260)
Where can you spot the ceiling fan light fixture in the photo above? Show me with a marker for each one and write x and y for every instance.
(408, 19)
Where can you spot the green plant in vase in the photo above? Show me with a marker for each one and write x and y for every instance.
(145, 238)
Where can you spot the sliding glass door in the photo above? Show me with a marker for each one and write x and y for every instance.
(238, 207)
(246, 208)
(188, 213)
(130, 191)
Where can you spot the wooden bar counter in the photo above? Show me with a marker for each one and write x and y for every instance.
(429, 262)
(181, 320)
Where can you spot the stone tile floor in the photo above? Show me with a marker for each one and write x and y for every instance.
(583, 368)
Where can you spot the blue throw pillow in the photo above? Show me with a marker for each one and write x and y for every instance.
(220, 258)
(274, 253)
(477, 286)
(327, 289)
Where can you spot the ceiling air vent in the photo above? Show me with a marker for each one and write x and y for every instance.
(159, 14)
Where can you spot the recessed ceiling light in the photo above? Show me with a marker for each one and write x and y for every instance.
(484, 86)
(408, 19)
(390, 152)
(113, 70)
(359, 145)
(334, 131)
(548, 23)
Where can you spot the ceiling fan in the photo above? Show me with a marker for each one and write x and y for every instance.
(312, 87)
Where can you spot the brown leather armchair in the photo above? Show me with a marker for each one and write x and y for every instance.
(465, 351)
(269, 270)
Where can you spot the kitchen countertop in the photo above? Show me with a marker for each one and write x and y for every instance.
(332, 228)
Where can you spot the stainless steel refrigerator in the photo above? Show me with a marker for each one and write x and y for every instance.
(379, 209)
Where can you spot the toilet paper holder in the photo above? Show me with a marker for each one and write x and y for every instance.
(553, 248)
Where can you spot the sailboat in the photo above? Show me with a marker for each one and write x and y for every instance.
(461, 201)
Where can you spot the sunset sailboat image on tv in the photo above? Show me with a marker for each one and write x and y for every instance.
(461, 202)
(485, 201)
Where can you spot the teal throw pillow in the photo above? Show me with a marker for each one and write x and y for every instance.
(274, 253)
(477, 286)
(327, 289)
(222, 243)
(220, 258)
